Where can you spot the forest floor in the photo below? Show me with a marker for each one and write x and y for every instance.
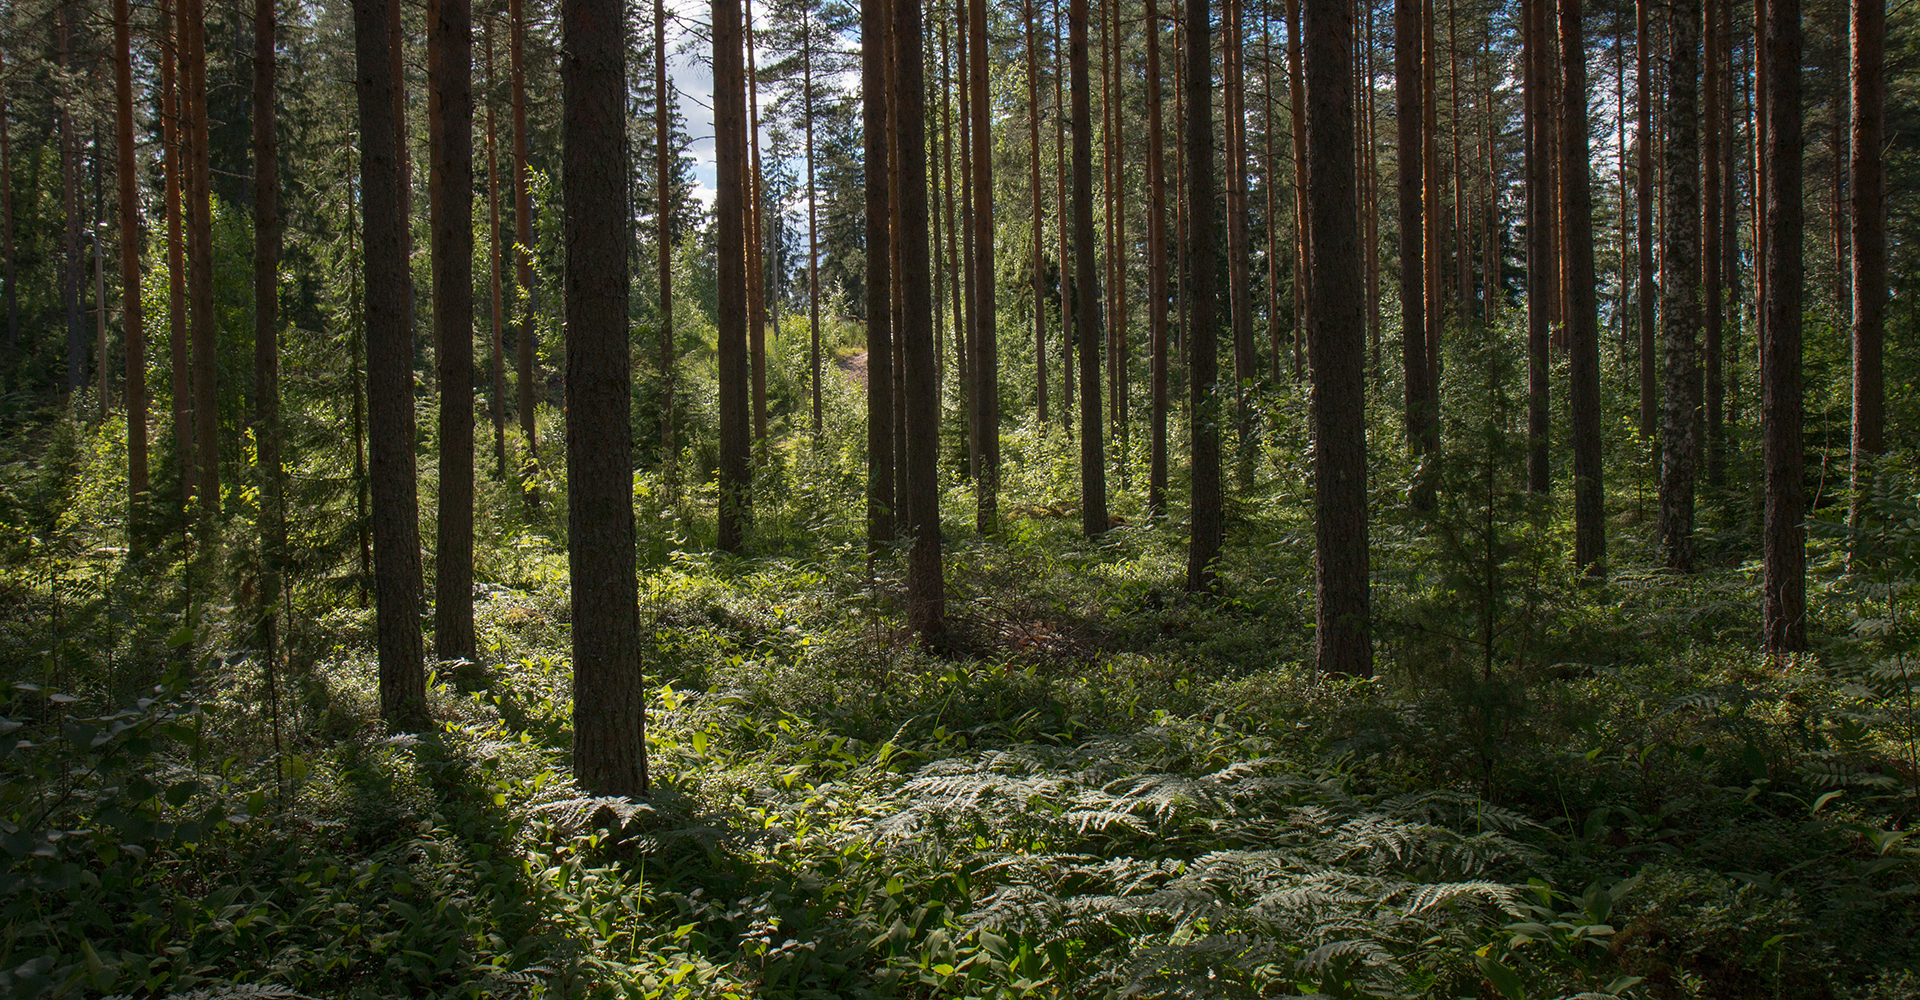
(1109, 788)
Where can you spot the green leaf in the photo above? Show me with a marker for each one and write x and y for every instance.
(1503, 979)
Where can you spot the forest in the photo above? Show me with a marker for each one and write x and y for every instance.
(959, 498)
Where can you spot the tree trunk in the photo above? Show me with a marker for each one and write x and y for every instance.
(926, 600)
(986, 353)
(450, 36)
(133, 329)
(1583, 319)
(70, 199)
(1156, 276)
(1064, 219)
(609, 696)
(1643, 238)
(813, 215)
(969, 338)
(1239, 296)
(1679, 294)
(1539, 252)
(1712, 319)
(1339, 348)
(875, 17)
(663, 178)
(1086, 312)
(1039, 241)
(496, 399)
(1784, 534)
(1868, 192)
(6, 189)
(206, 415)
(266, 314)
(756, 247)
(179, 349)
(523, 237)
(1203, 367)
(1422, 423)
(396, 531)
(1302, 212)
(732, 213)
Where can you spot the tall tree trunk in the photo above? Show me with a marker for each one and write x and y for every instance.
(1157, 276)
(663, 180)
(6, 192)
(1302, 212)
(609, 695)
(132, 317)
(960, 288)
(926, 600)
(1643, 238)
(1339, 334)
(1203, 370)
(496, 399)
(266, 315)
(1064, 219)
(756, 247)
(1039, 241)
(1867, 67)
(969, 264)
(1430, 199)
(396, 530)
(1784, 534)
(523, 254)
(813, 219)
(732, 213)
(179, 350)
(1583, 319)
(1679, 293)
(1711, 277)
(1422, 423)
(1239, 296)
(450, 37)
(70, 200)
(1086, 312)
(206, 415)
(986, 353)
(1118, 353)
(1269, 182)
(1539, 251)
(875, 17)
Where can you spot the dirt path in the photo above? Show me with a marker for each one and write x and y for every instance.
(855, 366)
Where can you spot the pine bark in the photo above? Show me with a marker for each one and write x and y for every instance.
(1539, 251)
(450, 69)
(179, 348)
(1156, 276)
(523, 254)
(663, 244)
(395, 503)
(609, 696)
(756, 245)
(1783, 609)
(926, 600)
(1583, 319)
(1867, 194)
(496, 399)
(1421, 422)
(986, 353)
(1034, 202)
(132, 317)
(1086, 312)
(1202, 334)
(199, 197)
(1342, 641)
(732, 214)
(1643, 195)
(266, 316)
(1679, 299)
(1239, 296)
(875, 17)
(1712, 299)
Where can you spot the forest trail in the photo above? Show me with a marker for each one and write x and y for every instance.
(855, 365)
